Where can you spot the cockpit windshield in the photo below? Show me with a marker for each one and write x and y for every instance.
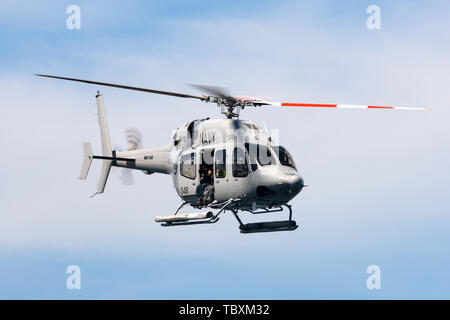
(284, 156)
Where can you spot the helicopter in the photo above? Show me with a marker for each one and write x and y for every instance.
(217, 165)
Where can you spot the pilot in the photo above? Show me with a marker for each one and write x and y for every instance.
(208, 177)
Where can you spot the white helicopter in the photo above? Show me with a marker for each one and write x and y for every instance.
(216, 164)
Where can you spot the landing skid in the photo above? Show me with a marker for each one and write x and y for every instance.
(209, 218)
(272, 226)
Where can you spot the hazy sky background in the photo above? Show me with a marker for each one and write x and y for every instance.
(378, 179)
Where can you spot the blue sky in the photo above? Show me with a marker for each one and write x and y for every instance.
(378, 180)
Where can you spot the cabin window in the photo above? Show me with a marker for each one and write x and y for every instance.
(285, 157)
(240, 163)
(187, 166)
(220, 162)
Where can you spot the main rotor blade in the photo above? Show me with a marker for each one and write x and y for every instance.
(215, 91)
(167, 93)
(220, 92)
(340, 106)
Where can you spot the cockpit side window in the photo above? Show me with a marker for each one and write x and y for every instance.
(260, 153)
(285, 157)
(265, 156)
(240, 163)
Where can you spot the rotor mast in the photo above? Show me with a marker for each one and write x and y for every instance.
(229, 110)
(229, 105)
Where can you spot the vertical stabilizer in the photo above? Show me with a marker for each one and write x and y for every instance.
(106, 143)
(87, 159)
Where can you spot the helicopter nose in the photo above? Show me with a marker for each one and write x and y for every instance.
(289, 184)
(295, 184)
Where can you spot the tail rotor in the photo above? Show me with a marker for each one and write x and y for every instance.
(133, 142)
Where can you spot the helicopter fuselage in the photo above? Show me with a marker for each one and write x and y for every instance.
(235, 156)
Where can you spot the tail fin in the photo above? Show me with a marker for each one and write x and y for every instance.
(87, 159)
(106, 143)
